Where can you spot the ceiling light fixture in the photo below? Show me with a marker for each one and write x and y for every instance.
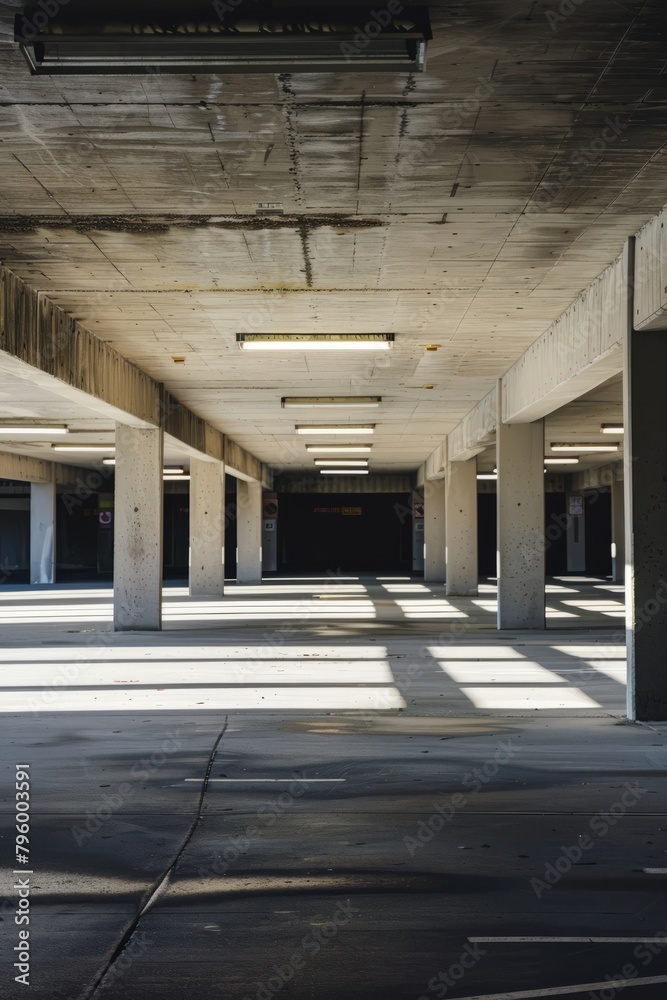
(82, 447)
(583, 447)
(339, 449)
(315, 341)
(487, 475)
(330, 401)
(612, 429)
(561, 461)
(108, 461)
(335, 428)
(22, 429)
(343, 472)
(175, 479)
(341, 461)
(179, 43)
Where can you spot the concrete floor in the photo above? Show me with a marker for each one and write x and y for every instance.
(308, 803)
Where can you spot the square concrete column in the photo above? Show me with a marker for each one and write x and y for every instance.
(138, 529)
(618, 531)
(435, 547)
(461, 531)
(645, 475)
(248, 532)
(43, 532)
(521, 545)
(207, 528)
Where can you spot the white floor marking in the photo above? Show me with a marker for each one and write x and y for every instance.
(280, 781)
(555, 991)
(655, 871)
(561, 940)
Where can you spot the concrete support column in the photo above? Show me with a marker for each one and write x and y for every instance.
(207, 528)
(43, 532)
(618, 531)
(248, 532)
(435, 547)
(461, 531)
(645, 462)
(138, 529)
(521, 544)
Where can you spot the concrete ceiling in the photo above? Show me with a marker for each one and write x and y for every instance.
(465, 207)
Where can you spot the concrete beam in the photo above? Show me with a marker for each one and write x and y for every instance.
(26, 469)
(43, 344)
(582, 349)
(650, 276)
(476, 431)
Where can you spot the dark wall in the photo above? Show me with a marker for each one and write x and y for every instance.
(598, 533)
(556, 549)
(348, 531)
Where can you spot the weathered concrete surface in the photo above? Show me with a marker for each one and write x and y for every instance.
(381, 842)
(249, 532)
(207, 528)
(43, 532)
(461, 531)
(138, 528)
(521, 543)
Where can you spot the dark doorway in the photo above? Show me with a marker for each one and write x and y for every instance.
(321, 532)
(598, 533)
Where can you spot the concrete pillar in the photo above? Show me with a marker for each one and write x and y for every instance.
(207, 528)
(618, 531)
(461, 531)
(43, 532)
(138, 529)
(575, 532)
(645, 462)
(435, 548)
(521, 543)
(248, 532)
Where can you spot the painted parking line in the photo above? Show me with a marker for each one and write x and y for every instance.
(555, 991)
(561, 940)
(280, 781)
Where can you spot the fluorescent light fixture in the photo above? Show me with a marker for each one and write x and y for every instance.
(561, 461)
(330, 401)
(487, 475)
(108, 461)
(612, 429)
(315, 341)
(177, 471)
(339, 449)
(335, 428)
(194, 41)
(175, 479)
(82, 447)
(343, 472)
(26, 429)
(584, 447)
(341, 461)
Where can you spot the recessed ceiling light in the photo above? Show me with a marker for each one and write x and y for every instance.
(343, 472)
(339, 449)
(561, 461)
(82, 447)
(315, 341)
(583, 447)
(21, 429)
(612, 429)
(330, 401)
(341, 461)
(335, 428)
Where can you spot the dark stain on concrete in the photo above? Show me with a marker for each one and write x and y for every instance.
(162, 223)
(290, 114)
